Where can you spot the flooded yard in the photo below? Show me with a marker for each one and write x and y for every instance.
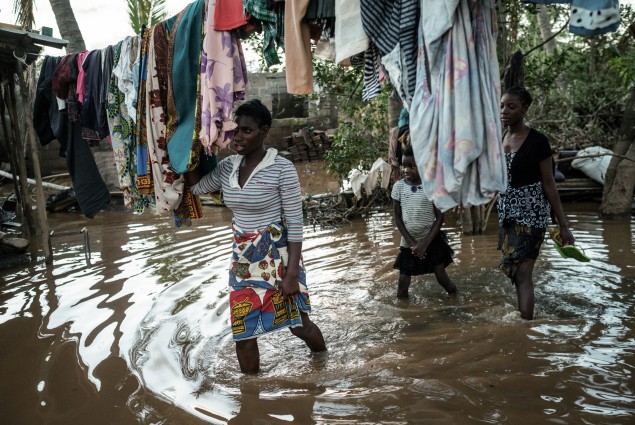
(141, 333)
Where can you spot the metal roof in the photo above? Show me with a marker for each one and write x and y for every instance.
(16, 43)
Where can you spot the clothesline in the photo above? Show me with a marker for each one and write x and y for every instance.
(165, 97)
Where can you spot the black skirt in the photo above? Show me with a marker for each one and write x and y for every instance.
(439, 252)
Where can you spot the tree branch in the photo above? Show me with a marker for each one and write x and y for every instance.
(566, 24)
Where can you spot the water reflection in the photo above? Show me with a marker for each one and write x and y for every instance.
(141, 335)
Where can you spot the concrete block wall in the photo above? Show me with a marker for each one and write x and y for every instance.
(321, 110)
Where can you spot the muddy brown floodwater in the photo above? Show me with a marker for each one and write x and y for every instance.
(141, 335)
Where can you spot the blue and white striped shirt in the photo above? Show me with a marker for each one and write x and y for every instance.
(271, 194)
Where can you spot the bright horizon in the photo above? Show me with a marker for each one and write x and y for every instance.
(97, 18)
(102, 22)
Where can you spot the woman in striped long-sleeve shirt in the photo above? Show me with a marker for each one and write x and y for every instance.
(266, 275)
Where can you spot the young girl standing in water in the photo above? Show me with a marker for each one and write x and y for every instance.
(424, 247)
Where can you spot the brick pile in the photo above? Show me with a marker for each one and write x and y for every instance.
(307, 145)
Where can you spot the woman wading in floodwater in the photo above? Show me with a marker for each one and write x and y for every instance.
(266, 276)
(524, 210)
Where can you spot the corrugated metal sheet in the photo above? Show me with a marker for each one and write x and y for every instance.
(27, 45)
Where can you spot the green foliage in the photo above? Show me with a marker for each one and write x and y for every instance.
(362, 136)
(253, 47)
(580, 92)
(24, 12)
(145, 12)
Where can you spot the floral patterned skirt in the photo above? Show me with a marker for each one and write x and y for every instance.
(518, 243)
(258, 265)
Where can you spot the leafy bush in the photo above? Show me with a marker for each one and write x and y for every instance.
(362, 135)
(580, 92)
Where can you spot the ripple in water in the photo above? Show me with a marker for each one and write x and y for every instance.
(147, 324)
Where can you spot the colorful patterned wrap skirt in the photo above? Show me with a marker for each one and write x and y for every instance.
(519, 244)
(257, 267)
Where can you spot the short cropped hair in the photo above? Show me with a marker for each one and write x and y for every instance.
(408, 151)
(255, 109)
(522, 93)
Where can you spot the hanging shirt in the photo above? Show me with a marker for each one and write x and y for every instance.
(589, 17)
(392, 27)
(297, 42)
(228, 14)
(123, 70)
(223, 80)
(185, 64)
(272, 26)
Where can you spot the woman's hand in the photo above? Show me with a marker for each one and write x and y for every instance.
(290, 285)
(567, 236)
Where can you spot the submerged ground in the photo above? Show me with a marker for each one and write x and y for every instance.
(140, 333)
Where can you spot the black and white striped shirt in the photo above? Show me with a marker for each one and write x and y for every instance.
(390, 24)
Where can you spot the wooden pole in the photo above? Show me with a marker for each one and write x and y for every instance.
(20, 147)
(466, 221)
(9, 147)
(32, 146)
(20, 186)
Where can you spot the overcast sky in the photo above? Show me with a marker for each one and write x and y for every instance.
(102, 22)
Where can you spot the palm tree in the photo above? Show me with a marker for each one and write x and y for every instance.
(23, 9)
(67, 25)
(145, 12)
(64, 16)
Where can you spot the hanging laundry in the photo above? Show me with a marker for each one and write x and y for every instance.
(185, 60)
(223, 80)
(454, 120)
(392, 27)
(107, 63)
(48, 122)
(168, 186)
(144, 177)
(93, 111)
(589, 17)
(272, 22)
(122, 133)
(126, 74)
(350, 38)
(371, 61)
(228, 14)
(297, 41)
(90, 189)
(81, 76)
